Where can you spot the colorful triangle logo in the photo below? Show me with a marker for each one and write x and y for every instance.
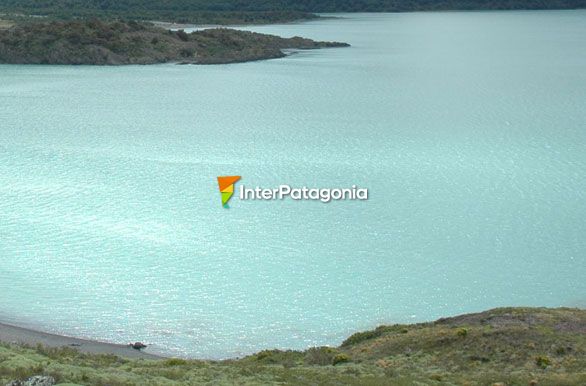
(226, 185)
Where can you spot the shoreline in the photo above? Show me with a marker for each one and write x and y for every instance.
(30, 337)
(505, 346)
(24, 336)
(11, 334)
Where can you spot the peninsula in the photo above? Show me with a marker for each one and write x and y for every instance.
(504, 346)
(97, 42)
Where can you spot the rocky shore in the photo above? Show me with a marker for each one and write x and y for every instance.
(26, 337)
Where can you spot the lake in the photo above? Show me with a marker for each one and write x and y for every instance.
(468, 129)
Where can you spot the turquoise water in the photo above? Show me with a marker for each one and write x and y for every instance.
(469, 129)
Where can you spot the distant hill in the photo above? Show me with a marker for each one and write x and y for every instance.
(505, 346)
(256, 11)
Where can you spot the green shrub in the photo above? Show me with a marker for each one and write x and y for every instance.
(340, 358)
(462, 332)
(542, 361)
(320, 356)
(263, 355)
(186, 52)
(436, 377)
(175, 362)
(181, 34)
(360, 337)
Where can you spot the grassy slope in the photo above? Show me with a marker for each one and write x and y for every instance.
(114, 43)
(516, 346)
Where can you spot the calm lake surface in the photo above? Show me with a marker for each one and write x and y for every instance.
(469, 129)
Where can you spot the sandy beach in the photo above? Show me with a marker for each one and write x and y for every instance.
(19, 335)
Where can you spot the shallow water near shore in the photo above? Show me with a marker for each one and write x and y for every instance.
(469, 129)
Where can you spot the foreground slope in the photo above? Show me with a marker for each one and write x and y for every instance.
(515, 346)
(114, 43)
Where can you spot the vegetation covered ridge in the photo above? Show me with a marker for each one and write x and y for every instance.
(255, 11)
(98, 42)
(506, 346)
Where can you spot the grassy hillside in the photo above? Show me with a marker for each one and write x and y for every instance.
(515, 346)
(114, 43)
(255, 11)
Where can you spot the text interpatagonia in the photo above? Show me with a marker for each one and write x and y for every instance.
(304, 193)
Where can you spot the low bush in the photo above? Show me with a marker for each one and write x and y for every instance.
(340, 358)
(542, 361)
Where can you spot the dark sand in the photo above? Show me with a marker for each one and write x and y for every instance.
(19, 335)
